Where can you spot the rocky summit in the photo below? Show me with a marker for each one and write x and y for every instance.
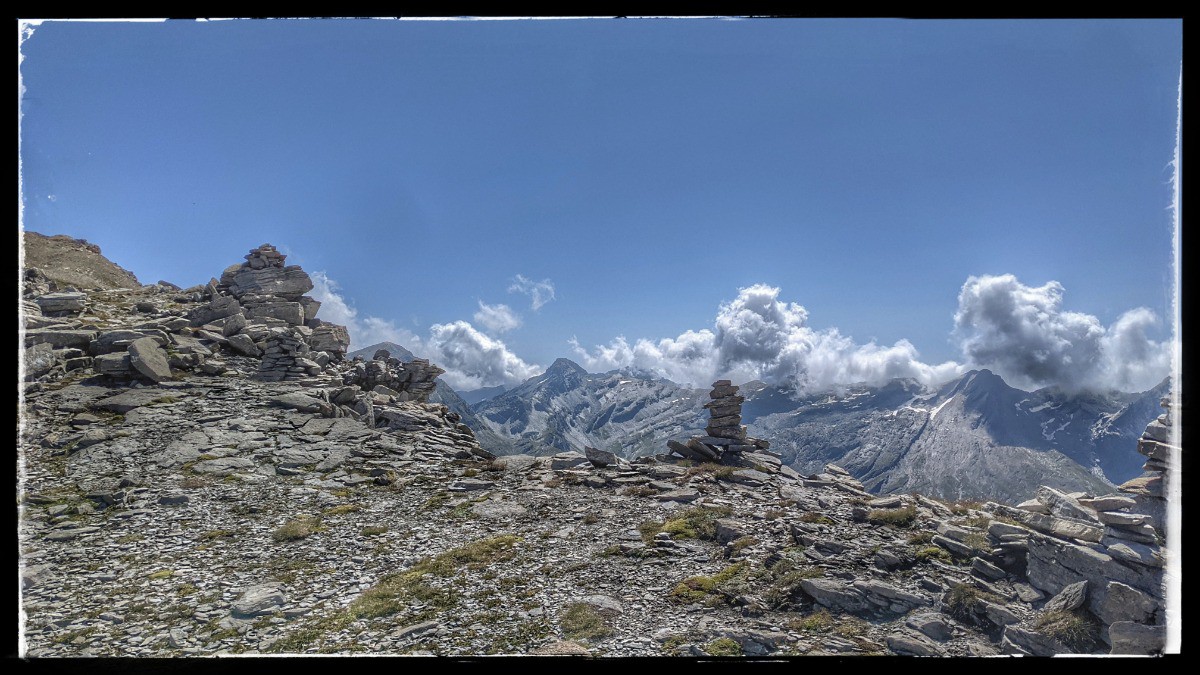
(204, 471)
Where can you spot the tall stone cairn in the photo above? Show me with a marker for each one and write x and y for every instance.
(726, 434)
(285, 355)
(1149, 489)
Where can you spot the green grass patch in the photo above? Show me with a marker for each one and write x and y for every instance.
(397, 593)
(918, 538)
(723, 647)
(1073, 629)
(901, 517)
(373, 530)
(817, 518)
(160, 574)
(820, 621)
(709, 590)
(582, 621)
(341, 509)
(964, 601)
(741, 543)
(718, 471)
(298, 528)
(933, 553)
(699, 522)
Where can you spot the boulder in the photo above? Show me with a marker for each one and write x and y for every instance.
(62, 302)
(259, 600)
(1128, 637)
(147, 358)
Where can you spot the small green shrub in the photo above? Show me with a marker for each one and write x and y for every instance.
(814, 517)
(1073, 629)
(901, 517)
(298, 528)
(723, 647)
(582, 621)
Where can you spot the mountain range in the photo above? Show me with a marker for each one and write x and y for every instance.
(974, 437)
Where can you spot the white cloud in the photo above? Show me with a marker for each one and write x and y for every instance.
(497, 318)
(473, 360)
(364, 332)
(470, 358)
(756, 336)
(539, 292)
(1023, 334)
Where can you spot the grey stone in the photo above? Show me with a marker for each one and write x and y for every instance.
(1021, 641)
(600, 458)
(416, 630)
(223, 466)
(1128, 637)
(567, 460)
(987, 569)
(494, 509)
(173, 499)
(912, 644)
(128, 400)
(234, 324)
(298, 401)
(891, 594)
(931, 624)
(1108, 503)
(259, 600)
(470, 484)
(62, 302)
(288, 282)
(1069, 598)
(1126, 603)
(729, 529)
(115, 365)
(60, 338)
(835, 595)
(604, 605)
(149, 359)
(1135, 552)
(999, 614)
(1063, 505)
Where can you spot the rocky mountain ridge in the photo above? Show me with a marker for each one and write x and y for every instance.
(185, 492)
(974, 437)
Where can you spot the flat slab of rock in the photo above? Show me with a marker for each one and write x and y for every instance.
(1128, 637)
(223, 466)
(126, 401)
(297, 401)
(498, 510)
(62, 302)
(146, 357)
(259, 600)
(60, 337)
(600, 458)
(913, 644)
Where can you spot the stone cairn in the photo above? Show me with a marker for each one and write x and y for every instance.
(1147, 518)
(387, 375)
(726, 434)
(285, 356)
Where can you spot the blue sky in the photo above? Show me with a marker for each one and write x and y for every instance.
(655, 172)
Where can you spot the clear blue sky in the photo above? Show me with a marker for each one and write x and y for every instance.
(648, 168)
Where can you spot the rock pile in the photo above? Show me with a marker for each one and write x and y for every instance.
(385, 374)
(1149, 490)
(285, 356)
(1095, 560)
(726, 434)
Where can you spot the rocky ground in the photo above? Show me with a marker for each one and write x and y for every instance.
(305, 508)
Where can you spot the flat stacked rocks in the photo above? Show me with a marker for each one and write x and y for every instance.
(726, 434)
(286, 355)
(385, 374)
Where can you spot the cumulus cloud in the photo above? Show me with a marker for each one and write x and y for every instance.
(1023, 333)
(497, 318)
(539, 292)
(364, 331)
(471, 359)
(757, 336)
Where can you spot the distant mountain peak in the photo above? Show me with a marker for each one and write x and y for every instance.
(562, 366)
